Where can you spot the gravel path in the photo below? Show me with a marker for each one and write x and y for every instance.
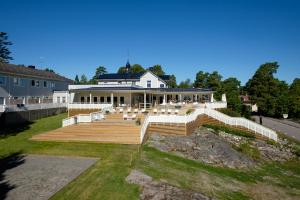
(35, 177)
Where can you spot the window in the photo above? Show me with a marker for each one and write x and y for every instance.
(133, 83)
(148, 84)
(82, 99)
(95, 99)
(22, 82)
(52, 85)
(64, 99)
(16, 81)
(2, 80)
(45, 84)
(120, 82)
(162, 85)
(58, 99)
(88, 99)
(32, 83)
(108, 100)
(37, 83)
(102, 99)
(122, 100)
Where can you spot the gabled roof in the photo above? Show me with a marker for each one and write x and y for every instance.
(129, 76)
(20, 70)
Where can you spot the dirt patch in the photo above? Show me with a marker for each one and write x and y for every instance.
(158, 190)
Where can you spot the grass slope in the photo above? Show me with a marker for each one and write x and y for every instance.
(106, 178)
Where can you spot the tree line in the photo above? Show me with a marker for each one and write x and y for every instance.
(274, 97)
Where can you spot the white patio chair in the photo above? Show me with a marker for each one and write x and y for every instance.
(155, 111)
(133, 117)
(125, 116)
(136, 110)
(129, 110)
(163, 111)
(176, 111)
(169, 111)
(121, 110)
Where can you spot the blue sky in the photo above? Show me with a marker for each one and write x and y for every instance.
(232, 37)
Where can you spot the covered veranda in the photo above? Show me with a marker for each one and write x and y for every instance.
(139, 97)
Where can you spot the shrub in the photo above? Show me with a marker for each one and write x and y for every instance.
(189, 111)
(229, 112)
(249, 151)
(229, 130)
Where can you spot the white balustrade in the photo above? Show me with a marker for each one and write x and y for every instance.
(88, 106)
(233, 121)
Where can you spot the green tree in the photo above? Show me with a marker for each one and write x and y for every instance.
(122, 70)
(172, 81)
(269, 93)
(83, 79)
(231, 87)
(294, 99)
(4, 51)
(99, 71)
(77, 80)
(49, 70)
(201, 80)
(186, 84)
(157, 69)
(214, 81)
(137, 68)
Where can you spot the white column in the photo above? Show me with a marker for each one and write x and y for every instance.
(164, 101)
(130, 99)
(112, 98)
(23, 100)
(4, 101)
(212, 97)
(180, 98)
(90, 97)
(196, 97)
(39, 100)
(145, 95)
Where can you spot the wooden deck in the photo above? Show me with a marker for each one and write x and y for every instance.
(111, 130)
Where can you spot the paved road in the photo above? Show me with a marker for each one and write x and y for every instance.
(289, 128)
(35, 177)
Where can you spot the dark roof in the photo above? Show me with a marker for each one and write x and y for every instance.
(128, 76)
(142, 89)
(21, 70)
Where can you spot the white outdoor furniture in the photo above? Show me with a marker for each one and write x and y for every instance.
(133, 116)
(155, 111)
(176, 111)
(129, 110)
(136, 110)
(121, 110)
(169, 111)
(125, 116)
(163, 111)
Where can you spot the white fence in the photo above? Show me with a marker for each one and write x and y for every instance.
(234, 121)
(83, 118)
(88, 106)
(216, 105)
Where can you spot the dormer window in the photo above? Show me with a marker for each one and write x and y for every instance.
(162, 85)
(149, 84)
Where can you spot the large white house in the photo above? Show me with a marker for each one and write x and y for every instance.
(141, 90)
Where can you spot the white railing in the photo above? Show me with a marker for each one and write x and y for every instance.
(216, 105)
(74, 87)
(83, 118)
(88, 105)
(233, 121)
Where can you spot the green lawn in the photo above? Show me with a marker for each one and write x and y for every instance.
(106, 178)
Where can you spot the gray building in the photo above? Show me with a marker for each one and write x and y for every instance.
(20, 85)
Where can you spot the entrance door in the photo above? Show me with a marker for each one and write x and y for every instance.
(115, 101)
(161, 100)
(122, 101)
